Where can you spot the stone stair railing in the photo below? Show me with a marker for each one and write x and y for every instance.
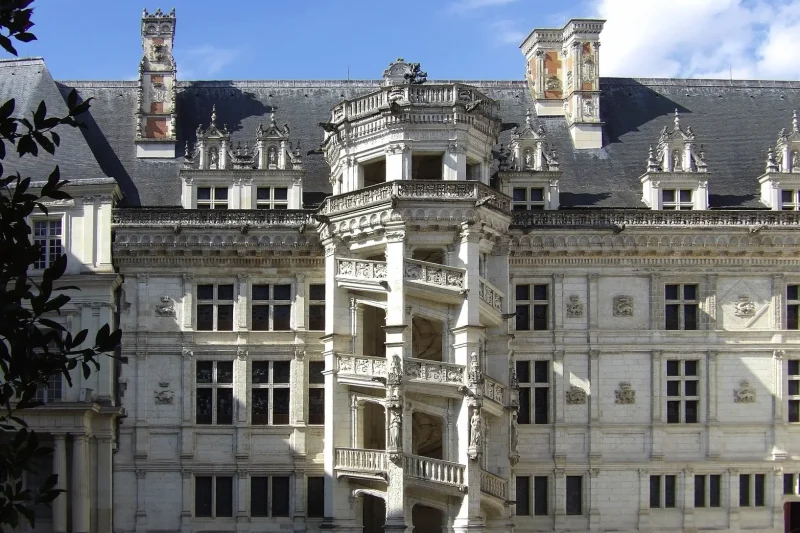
(434, 371)
(361, 461)
(494, 485)
(435, 274)
(434, 470)
(494, 390)
(361, 365)
(490, 294)
(360, 268)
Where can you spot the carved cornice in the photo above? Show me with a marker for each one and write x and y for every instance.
(160, 217)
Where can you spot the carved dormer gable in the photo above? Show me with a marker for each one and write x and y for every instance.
(780, 183)
(529, 171)
(213, 145)
(274, 149)
(401, 73)
(676, 175)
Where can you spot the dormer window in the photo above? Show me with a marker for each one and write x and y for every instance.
(789, 200)
(528, 199)
(780, 182)
(212, 198)
(272, 198)
(677, 199)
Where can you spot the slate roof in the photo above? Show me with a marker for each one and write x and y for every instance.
(735, 120)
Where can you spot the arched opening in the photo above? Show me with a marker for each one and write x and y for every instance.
(374, 426)
(374, 514)
(426, 166)
(431, 255)
(374, 334)
(427, 519)
(426, 338)
(427, 435)
(374, 172)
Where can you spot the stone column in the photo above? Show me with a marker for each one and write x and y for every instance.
(688, 498)
(60, 469)
(644, 499)
(80, 484)
(595, 515)
(243, 500)
(560, 498)
(105, 486)
(242, 297)
(141, 500)
(657, 386)
(455, 162)
(186, 500)
(715, 435)
(733, 499)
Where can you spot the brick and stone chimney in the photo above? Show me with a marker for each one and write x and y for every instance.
(155, 116)
(563, 73)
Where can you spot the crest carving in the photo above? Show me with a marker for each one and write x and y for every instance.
(164, 397)
(574, 307)
(744, 307)
(746, 393)
(576, 395)
(622, 305)
(625, 394)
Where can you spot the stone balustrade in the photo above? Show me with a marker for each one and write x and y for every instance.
(361, 365)
(494, 485)
(619, 219)
(435, 274)
(434, 371)
(493, 390)
(361, 461)
(490, 294)
(473, 191)
(434, 470)
(161, 217)
(361, 268)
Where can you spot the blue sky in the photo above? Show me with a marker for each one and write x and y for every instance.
(466, 39)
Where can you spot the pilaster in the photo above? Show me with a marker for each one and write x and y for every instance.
(60, 470)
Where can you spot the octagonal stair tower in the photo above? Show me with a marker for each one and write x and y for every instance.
(420, 414)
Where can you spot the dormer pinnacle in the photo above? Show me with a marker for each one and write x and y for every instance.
(214, 115)
(402, 73)
(782, 173)
(794, 121)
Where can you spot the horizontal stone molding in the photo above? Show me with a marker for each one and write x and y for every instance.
(170, 217)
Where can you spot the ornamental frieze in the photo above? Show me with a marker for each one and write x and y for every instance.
(434, 371)
(362, 366)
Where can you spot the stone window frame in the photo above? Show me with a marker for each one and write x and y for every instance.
(215, 386)
(272, 202)
(533, 494)
(533, 385)
(216, 302)
(663, 500)
(793, 396)
(793, 204)
(681, 379)
(51, 250)
(271, 495)
(750, 479)
(682, 304)
(316, 303)
(214, 486)
(582, 502)
(56, 385)
(270, 386)
(527, 204)
(212, 201)
(316, 386)
(791, 480)
(792, 306)
(677, 203)
(271, 302)
(707, 492)
(532, 302)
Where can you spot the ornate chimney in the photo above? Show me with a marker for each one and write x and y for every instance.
(563, 73)
(155, 116)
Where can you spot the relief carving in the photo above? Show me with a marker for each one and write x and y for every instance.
(164, 397)
(574, 307)
(623, 305)
(746, 393)
(576, 395)
(744, 307)
(625, 394)
(167, 307)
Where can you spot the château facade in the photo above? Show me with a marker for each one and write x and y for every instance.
(563, 303)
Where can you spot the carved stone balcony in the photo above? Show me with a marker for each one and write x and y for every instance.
(494, 390)
(448, 283)
(491, 301)
(494, 485)
(360, 274)
(360, 370)
(170, 217)
(435, 471)
(356, 462)
(434, 377)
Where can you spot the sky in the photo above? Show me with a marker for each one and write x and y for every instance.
(452, 39)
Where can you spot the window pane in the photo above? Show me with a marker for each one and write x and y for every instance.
(524, 414)
(686, 195)
(794, 410)
(787, 196)
(280, 317)
(205, 292)
(759, 490)
(690, 388)
(225, 372)
(793, 292)
(673, 368)
(224, 317)
(316, 317)
(523, 496)
(220, 193)
(540, 317)
(280, 407)
(671, 292)
(714, 490)
(669, 195)
(537, 195)
(673, 412)
(744, 490)
(280, 496)
(540, 405)
(793, 367)
(224, 496)
(315, 369)
(655, 491)
(282, 292)
(205, 372)
(690, 368)
(260, 408)
(224, 406)
(260, 318)
(316, 406)
(690, 316)
(523, 319)
(204, 193)
(225, 292)
(672, 317)
(699, 491)
(281, 193)
(673, 388)
(691, 411)
(523, 292)
(669, 491)
(316, 497)
(317, 292)
(690, 292)
(792, 313)
(202, 496)
(574, 493)
(541, 374)
(280, 371)
(524, 371)
(260, 372)
(788, 483)
(540, 292)
(519, 196)
(203, 410)
(260, 292)
(259, 496)
(205, 317)
(540, 495)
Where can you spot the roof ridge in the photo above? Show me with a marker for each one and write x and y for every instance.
(21, 60)
(702, 82)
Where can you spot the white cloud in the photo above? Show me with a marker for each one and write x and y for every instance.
(754, 39)
(465, 6)
(206, 60)
(507, 32)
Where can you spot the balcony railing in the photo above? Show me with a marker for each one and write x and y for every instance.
(361, 269)
(434, 470)
(361, 365)
(435, 274)
(492, 389)
(170, 217)
(434, 371)
(417, 190)
(361, 461)
(489, 294)
(494, 485)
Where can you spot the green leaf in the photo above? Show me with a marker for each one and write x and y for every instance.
(25, 37)
(40, 114)
(7, 108)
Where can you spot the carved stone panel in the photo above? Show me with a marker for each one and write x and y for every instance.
(746, 393)
(625, 394)
(574, 307)
(576, 395)
(622, 305)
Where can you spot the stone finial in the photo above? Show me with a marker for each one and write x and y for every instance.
(186, 151)
(652, 160)
(677, 120)
(214, 115)
(528, 118)
(794, 121)
(772, 164)
(402, 73)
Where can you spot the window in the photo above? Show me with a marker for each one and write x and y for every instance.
(316, 307)
(50, 392)
(214, 381)
(751, 490)
(662, 492)
(532, 307)
(270, 392)
(213, 496)
(790, 484)
(272, 198)
(316, 392)
(680, 311)
(528, 198)
(574, 495)
(271, 309)
(212, 198)
(793, 390)
(789, 200)
(47, 235)
(523, 496)
(215, 307)
(269, 496)
(533, 393)
(683, 393)
(792, 306)
(677, 199)
(315, 497)
(707, 490)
